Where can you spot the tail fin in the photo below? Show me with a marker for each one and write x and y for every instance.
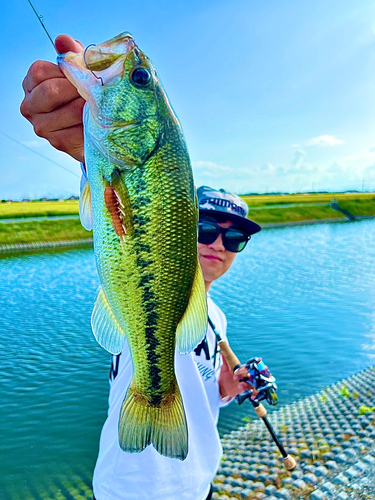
(164, 426)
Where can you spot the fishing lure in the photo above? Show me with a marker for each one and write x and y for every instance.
(115, 208)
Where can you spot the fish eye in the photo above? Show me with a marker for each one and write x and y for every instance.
(140, 76)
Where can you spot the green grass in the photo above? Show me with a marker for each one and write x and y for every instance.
(280, 199)
(293, 214)
(307, 207)
(37, 209)
(42, 231)
(359, 207)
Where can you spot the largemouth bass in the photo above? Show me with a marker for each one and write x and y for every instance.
(140, 201)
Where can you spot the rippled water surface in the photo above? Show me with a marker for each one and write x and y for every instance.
(302, 297)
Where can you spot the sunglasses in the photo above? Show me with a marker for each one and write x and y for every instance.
(234, 240)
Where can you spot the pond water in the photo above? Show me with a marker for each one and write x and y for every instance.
(301, 297)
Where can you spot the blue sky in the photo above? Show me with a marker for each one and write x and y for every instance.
(272, 95)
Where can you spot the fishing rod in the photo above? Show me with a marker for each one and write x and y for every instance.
(40, 18)
(260, 379)
(37, 153)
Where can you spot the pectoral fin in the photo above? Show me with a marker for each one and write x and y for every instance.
(85, 205)
(193, 325)
(107, 330)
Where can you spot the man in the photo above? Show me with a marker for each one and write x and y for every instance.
(54, 107)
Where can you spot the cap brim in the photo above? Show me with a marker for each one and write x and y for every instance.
(248, 226)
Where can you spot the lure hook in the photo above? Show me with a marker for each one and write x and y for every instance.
(87, 66)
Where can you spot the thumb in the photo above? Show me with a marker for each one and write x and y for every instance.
(65, 43)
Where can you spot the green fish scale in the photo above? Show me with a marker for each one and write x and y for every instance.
(165, 263)
(148, 285)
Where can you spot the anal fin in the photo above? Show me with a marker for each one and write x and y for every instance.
(193, 325)
(106, 329)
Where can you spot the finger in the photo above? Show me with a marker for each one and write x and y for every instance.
(241, 372)
(242, 387)
(238, 375)
(61, 118)
(254, 394)
(70, 141)
(38, 72)
(48, 96)
(65, 43)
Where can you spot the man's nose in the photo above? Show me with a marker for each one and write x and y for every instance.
(218, 243)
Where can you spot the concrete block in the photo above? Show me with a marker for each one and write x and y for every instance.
(283, 493)
(341, 480)
(310, 478)
(321, 471)
(318, 495)
(328, 488)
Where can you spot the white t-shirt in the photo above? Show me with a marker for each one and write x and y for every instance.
(148, 475)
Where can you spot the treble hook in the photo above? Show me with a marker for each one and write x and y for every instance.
(87, 66)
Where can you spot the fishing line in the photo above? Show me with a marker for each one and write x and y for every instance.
(87, 66)
(41, 22)
(39, 154)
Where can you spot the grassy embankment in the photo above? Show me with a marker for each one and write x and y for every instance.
(307, 207)
(263, 209)
(17, 209)
(27, 231)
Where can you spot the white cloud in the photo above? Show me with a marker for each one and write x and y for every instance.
(298, 157)
(364, 155)
(324, 140)
(335, 168)
(299, 174)
(369, 172)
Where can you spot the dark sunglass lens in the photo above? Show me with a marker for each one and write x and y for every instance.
(207, 233)
(235, 241)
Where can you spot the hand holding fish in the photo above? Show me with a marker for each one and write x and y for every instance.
(53, 105)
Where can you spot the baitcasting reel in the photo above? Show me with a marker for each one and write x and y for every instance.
(263, 381)
(265, 384)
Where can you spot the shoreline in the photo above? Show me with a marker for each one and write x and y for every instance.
(268, 225)
(331, 436)
(329, 433)
(26, 247)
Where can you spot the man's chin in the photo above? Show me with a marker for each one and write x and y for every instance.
(212, 272)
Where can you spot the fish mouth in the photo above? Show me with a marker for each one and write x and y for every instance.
(97, 64)
(98, 58)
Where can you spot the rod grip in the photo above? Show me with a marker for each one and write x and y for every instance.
(289, 462)
(230, 357)
(260, 410)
